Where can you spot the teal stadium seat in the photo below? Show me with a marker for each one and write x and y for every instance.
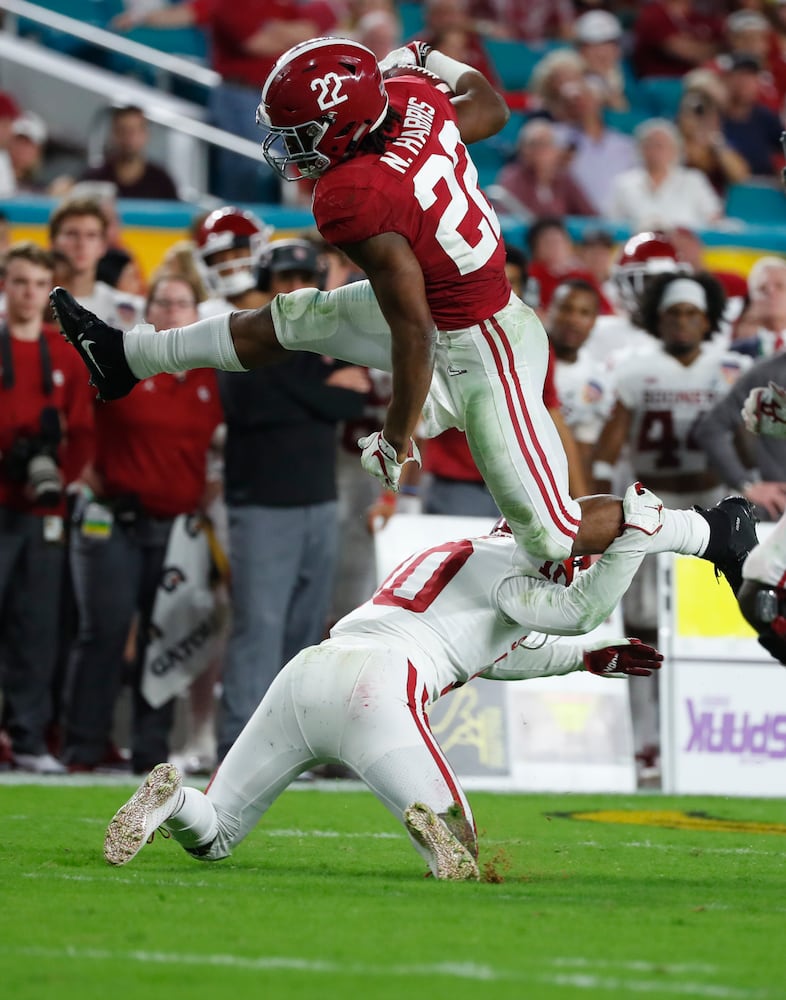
(515, 61)
(412, 20)
(658, 96)
(757, 203)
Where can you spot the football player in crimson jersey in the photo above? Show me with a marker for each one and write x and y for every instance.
(447, 614)
(397, 191)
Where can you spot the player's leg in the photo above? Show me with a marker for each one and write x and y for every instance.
(389, 744)
(346, 323)
(498, 368)
(266, 757)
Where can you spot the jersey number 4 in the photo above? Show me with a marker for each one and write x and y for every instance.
(417, 583)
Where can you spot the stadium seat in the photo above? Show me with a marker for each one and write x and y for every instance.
(412, 21)
(762, 203)
(515, 61)
(658, 96)
(625, 121)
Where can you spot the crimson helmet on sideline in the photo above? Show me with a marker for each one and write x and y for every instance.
(231, 228)
(642, 256)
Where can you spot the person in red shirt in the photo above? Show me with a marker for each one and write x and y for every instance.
(245, 41)
(46, 436)
(149, 467)
(672, 37)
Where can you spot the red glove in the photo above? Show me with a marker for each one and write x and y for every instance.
(623, 658)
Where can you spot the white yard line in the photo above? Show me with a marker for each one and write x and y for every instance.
(624, 984)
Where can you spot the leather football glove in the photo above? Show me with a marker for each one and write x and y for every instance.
(379, 458)
(622, 658)
(764, 411)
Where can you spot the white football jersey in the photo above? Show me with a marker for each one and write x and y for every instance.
(614, 337)
(479, 605)
(767, 562)
(666, 398)
(585, 394)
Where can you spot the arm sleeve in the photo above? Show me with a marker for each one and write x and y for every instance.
(714, 432)
(548, 661)
(584, 604)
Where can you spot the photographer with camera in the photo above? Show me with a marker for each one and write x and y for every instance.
(46, 438)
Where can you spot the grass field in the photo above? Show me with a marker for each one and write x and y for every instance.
(628, 896)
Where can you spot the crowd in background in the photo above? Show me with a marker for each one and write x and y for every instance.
(647, 344)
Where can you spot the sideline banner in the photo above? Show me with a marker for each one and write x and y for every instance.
(723, 697)
(570, 733)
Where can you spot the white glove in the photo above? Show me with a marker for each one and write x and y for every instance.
(379, 458)
(764, 411)
(413, 54)
(642, 510)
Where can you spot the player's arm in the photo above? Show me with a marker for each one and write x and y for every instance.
(397, 279)
(606, 658)
(541, 606)
(481, 110)
(610, 443)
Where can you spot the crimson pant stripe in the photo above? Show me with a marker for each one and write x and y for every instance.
(421, 721)
(537, 473)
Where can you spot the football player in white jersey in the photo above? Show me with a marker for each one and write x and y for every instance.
(660, 395)
(458, 610)
(583, 383)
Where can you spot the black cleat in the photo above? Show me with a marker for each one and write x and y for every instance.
(732, 536)
(100, 346)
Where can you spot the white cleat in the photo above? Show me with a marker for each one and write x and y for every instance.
(156, 799)
(449, 858)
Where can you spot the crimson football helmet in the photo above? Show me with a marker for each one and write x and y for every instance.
(318, 103)
(642, 256)
(231, 228)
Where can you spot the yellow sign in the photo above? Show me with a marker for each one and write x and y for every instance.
(706, 606)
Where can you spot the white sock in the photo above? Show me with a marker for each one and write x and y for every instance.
(205, 344)
(195, 823)
(683, 531)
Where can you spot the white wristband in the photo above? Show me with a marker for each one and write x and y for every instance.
(447, 69)
(602, 470)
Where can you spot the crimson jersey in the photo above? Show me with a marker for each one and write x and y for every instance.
(424, 187)
(21, 405)
(154, 443)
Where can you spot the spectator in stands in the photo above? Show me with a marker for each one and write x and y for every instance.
(280, 488)
(46, 436)
(380, 31)
(776, 55)
(79, 229)
(150, 466)
(449, 27)
(537, 183)
(120, 270)
(700, 125)
(549, 78)
(245, 41)
(671, 37)
(26, 149)
(126, 164)
(524, 20)
(752, 129)
(749, 32)
(661, 193)
(767, 297)
(9, 112)
(597, 153)
(597, 35)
